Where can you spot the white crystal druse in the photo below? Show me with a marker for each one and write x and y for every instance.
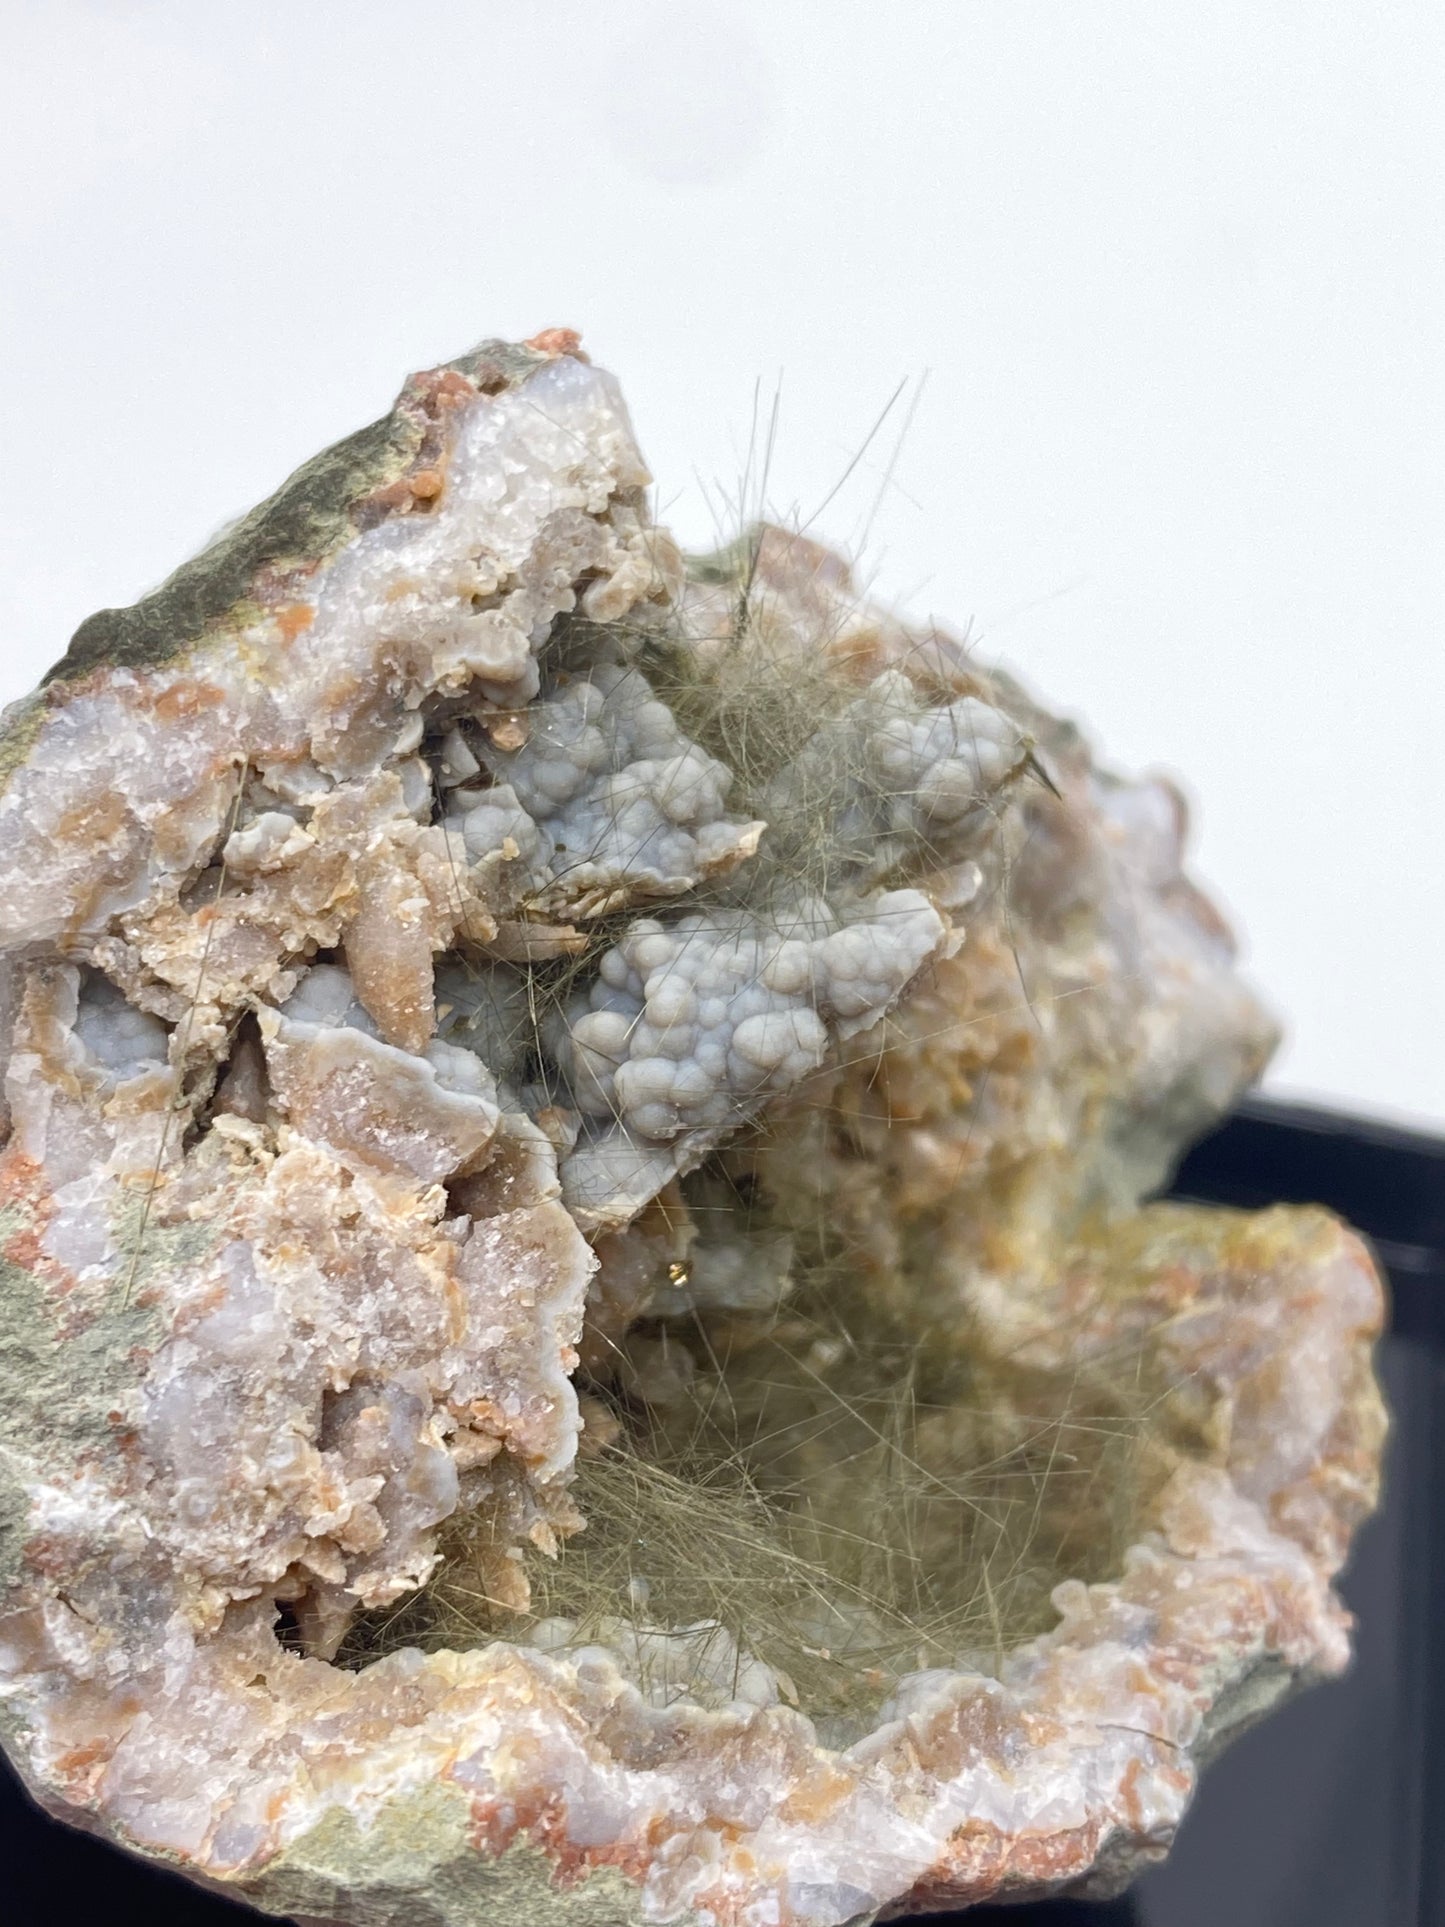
(580, 1340)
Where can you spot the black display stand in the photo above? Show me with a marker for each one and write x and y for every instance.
(1330, 1814)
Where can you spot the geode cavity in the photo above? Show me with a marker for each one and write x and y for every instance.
(474, 985)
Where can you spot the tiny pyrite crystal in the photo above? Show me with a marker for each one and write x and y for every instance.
(580, 1340)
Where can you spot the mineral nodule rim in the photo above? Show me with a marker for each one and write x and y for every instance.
(582, 1339)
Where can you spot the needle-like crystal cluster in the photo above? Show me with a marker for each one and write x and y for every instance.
(487, 1003)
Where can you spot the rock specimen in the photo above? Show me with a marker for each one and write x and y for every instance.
(580, 1341)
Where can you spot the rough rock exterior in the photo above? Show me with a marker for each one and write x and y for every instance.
(300, 1244)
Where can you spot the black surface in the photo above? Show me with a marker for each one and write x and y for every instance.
(1321, 1816)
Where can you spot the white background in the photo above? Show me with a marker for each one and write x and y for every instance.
(1173, 273)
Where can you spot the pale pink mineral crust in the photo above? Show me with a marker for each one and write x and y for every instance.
(299, 1248)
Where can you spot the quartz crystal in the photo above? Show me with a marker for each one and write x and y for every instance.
(495, 1011)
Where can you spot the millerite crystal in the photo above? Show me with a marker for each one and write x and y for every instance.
(580, 1340)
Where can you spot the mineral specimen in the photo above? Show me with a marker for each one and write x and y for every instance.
(580, 1339)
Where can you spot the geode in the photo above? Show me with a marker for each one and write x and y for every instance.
(581, 1337)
